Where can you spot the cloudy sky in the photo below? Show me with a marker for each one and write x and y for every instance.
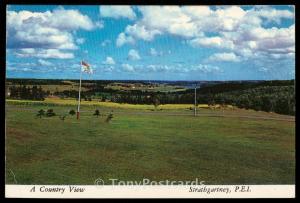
(151, 42)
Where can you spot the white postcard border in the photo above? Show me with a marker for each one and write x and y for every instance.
(148, 191)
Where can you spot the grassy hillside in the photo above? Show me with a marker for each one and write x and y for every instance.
(137, 145)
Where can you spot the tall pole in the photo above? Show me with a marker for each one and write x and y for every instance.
(195, 109)
(78, 110)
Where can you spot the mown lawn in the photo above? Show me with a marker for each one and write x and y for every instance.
(154, 146)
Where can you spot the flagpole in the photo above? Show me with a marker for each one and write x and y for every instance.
(195, 108)
(78, 110)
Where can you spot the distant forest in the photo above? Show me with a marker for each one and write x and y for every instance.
(271, 96)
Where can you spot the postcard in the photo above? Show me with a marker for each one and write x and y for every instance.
(140, 101)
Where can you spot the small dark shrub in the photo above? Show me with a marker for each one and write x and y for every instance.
(72, 112)
(97, 113)
(40, 113)
(109, 117)
(50, 113)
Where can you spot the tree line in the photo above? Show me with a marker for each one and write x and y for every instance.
(278, 99)
(27, 92)
(270, 96)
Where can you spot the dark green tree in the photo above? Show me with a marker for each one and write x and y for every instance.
(72, 112)
(40, 113)
(97, 113)
(34, 92)
(41, 94)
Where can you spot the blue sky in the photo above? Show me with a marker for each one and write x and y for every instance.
(151, 42)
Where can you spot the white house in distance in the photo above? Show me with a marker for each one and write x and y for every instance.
(7, 91)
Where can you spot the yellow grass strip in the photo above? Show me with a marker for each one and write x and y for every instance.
(106, 104)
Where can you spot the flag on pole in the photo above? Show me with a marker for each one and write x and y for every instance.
(86, 67)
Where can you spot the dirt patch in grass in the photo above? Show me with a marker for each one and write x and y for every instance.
(21, 135)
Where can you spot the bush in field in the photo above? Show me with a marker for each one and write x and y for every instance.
(97, 113)
(156, 102)
(50, 113)
(109, 117)
(40, 113)
(72, 112)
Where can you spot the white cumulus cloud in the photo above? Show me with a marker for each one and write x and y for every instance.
(109, 61)
(133, 55)
(44, 62)
(235, 29)
(128, 68)
(217, 42)
(229, 57)
(206, 68)
(44, 53)
(123, 39)
(46, 30)
(117, 12)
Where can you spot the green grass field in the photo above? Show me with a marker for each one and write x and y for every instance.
(140, 143)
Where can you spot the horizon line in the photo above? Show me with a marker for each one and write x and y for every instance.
(151, 79)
